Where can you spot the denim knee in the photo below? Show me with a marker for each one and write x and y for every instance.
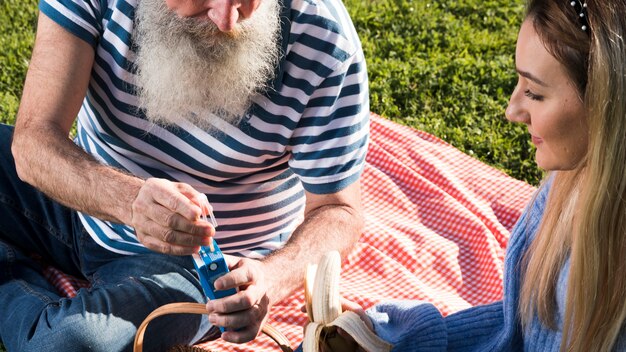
(114, 335)
(6, 134)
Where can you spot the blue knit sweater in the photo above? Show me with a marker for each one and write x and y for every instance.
(418, 326)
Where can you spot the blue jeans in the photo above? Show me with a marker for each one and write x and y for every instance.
(105, 316)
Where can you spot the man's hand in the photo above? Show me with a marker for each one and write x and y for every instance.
(244, 313)
(331, 222)
(166, 217)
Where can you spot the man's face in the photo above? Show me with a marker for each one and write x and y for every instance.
(190, 70)
(224, 13)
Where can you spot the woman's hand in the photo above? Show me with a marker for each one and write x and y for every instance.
(347, 305)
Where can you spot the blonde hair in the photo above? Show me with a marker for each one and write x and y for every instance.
(585, 215)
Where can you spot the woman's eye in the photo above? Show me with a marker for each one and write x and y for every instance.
(533, 96)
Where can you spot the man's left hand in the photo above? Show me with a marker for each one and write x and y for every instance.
(244, 313)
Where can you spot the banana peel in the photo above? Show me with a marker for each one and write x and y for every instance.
(323, 307)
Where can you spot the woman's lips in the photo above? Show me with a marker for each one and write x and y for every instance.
(536, 140)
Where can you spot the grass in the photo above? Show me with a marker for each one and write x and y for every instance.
(17, 23)
(445, 67)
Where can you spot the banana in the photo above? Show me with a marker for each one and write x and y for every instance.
(323, 306)
(327, 305)
(309, 277)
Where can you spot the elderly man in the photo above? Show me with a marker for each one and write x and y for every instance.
(261, 106)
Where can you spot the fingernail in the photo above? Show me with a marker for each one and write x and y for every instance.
(209, 306)
(213, 318)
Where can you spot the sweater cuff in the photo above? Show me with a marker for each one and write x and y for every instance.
(409, 325)
(476, 329)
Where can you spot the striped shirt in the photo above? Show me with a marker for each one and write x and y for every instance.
(310, 132)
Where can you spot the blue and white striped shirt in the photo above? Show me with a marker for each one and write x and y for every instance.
(310, 132)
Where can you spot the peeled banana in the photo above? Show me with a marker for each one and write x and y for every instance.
(323, 306)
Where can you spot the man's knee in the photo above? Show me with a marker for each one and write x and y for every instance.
(60, 332)
(6, 131)
(6, 136)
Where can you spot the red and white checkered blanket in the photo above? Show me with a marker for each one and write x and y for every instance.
(437, 224)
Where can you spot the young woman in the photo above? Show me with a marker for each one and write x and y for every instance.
(565, 272)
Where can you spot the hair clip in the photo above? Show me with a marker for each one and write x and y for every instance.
(581, 9)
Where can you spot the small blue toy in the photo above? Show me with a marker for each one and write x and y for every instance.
(211, 265)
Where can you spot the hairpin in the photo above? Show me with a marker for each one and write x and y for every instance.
(581, 9)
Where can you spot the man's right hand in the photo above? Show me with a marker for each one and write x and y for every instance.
(166, 217)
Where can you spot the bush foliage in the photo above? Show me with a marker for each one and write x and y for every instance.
(445, 67)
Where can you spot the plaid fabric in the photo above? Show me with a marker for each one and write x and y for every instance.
(437, 225)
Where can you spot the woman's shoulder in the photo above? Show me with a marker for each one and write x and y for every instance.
(531, 217)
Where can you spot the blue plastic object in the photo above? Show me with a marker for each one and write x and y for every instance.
(211, 265)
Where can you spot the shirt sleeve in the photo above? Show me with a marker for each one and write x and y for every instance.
(82, 18)
(330, 143)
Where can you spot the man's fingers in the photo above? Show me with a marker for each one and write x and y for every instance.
(241, 326)
(167, 248)
(174, 221)
(240, 301)
(176, 197)
(196, 198)
(239, 319)
(174, 237)
(166, 217)
(245, 311)
(242, 335)
(240, 274)
(199, 235)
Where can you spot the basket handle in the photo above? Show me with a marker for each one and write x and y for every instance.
(199, 308)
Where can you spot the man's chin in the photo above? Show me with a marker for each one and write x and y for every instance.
(186, 78)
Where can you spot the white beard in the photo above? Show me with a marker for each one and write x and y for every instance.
(190, 71)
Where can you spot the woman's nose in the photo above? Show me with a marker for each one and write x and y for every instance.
(226, 13)
(515, 111)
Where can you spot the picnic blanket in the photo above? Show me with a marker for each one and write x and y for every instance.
(437, 223)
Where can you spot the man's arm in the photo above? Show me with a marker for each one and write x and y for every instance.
(331, 222)
(45, 157)
(164, 214)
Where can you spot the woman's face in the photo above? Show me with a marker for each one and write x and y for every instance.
(547, 102)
